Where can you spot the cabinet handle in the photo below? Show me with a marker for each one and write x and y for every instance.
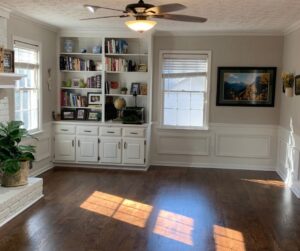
(125, 145)
(119, 145)
(87, 131)
(78, 143)
(134, 133)
(64, 130)
(110, 132)
(73, 143)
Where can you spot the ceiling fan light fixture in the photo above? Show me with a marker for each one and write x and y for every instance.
(91, 8)
(140, 25)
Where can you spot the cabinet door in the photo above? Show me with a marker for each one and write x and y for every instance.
(110, 150)
(87, 149)
(133, 151)
(64, 147)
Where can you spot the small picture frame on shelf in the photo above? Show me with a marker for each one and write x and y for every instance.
(143, 89)
(94, 98)
(297, 85)
(81, 114)
(68, 114)
(142, 68)
(135, 89)
(8, 60)
(75, 83)
(94, 115)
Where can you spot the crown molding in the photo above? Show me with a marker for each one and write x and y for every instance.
(4, 12)
(294, 27)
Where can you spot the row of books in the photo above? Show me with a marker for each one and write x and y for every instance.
(73, 100)
(94, 82)
(77, 64)
(120, 64)
(116, 46)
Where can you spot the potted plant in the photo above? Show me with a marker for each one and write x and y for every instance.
(15, 159)
(124, 90)
(288, 82)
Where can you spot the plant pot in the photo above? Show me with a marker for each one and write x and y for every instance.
(19, 178)
(289, 91)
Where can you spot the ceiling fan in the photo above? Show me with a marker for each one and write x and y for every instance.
(142, 11)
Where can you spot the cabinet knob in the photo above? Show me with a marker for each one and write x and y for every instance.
(78, 143)
(73, 143)
(125, 145)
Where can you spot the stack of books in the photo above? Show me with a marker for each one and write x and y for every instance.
(94, 82)
(76, 64)
(72, 100)
(113, 46)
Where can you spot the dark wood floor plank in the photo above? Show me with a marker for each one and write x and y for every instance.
(163, 209)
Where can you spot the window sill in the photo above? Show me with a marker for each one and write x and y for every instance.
(36, 132)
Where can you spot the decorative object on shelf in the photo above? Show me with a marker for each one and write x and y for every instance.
(15, 160)
(134, 115)
(142, 68)
(97, 49)
(143, 89)
(7, 59)
(119, 104)
(56, 117)
(246, 86)
(68, 45)
(135, 89)
(110, 110)
(94, 115)
(94, 98)
(114, 87)
(142, 11)
(75, 83)
(81, 114)
(83, 50)
(124, 90)
(297, 85)
(288, 82)
(68, 114)
(82, 84)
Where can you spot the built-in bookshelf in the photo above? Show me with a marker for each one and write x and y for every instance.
(104, 66)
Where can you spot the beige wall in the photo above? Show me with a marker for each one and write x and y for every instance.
(228, 51)
(289, 113)
(26, 29)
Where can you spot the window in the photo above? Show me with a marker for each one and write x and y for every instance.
(27, 94)
(185, 85)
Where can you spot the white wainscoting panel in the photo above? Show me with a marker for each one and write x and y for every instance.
(183, 145)
(243, 146)
(43, 149)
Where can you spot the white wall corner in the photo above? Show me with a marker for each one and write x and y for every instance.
(4, 12)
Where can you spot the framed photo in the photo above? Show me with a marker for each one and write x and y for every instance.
(75, 82)
(246, 86)
(135, 88)
(297, 85)
(68, 114)
(7, 60)
(94, 98)
(143, 89)
(81, 114)
(94, 115)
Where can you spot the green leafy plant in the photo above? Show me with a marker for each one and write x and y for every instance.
(11, 152)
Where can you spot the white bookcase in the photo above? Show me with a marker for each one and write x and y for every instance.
(105, 143)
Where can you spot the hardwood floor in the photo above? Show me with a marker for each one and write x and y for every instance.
(160, 210)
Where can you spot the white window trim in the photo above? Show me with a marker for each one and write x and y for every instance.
(40, 103)
(207, 96)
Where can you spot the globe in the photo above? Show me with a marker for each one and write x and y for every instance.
(119, 103)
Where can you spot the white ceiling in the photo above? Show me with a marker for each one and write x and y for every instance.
(222, 15)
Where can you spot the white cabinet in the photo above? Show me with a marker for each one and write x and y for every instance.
(64, 147)
(110, 150)
(87, 149)
(133, 151)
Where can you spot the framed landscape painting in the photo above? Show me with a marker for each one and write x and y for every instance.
(246, 86)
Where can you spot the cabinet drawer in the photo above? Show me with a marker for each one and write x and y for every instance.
(65, 129)
(87, 130)
(110, 131)
(134, 132)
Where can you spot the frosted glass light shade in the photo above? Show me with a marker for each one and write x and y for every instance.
(140, 25)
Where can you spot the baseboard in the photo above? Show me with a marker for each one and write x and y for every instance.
(215, 166)
(42, 170)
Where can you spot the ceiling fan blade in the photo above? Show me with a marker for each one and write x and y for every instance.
(93, 18)
(166, 8)
(183, 18)
(95, 7)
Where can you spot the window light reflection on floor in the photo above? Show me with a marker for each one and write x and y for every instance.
(227, 239)
(174, 226)
(132, 212)
(275, 183)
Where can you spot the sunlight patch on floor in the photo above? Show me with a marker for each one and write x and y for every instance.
(132, 212)
(228, 239)
(174, 226)
(276, 183)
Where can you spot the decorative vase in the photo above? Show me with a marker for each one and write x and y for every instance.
(19, 178)
(289, 91)
(68, 45)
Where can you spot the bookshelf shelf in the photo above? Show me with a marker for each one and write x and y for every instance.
(123, 95)
(79, 107)
(95, 72)
(123, 72)
(81, 54)
(78, 88)
(126, 55)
